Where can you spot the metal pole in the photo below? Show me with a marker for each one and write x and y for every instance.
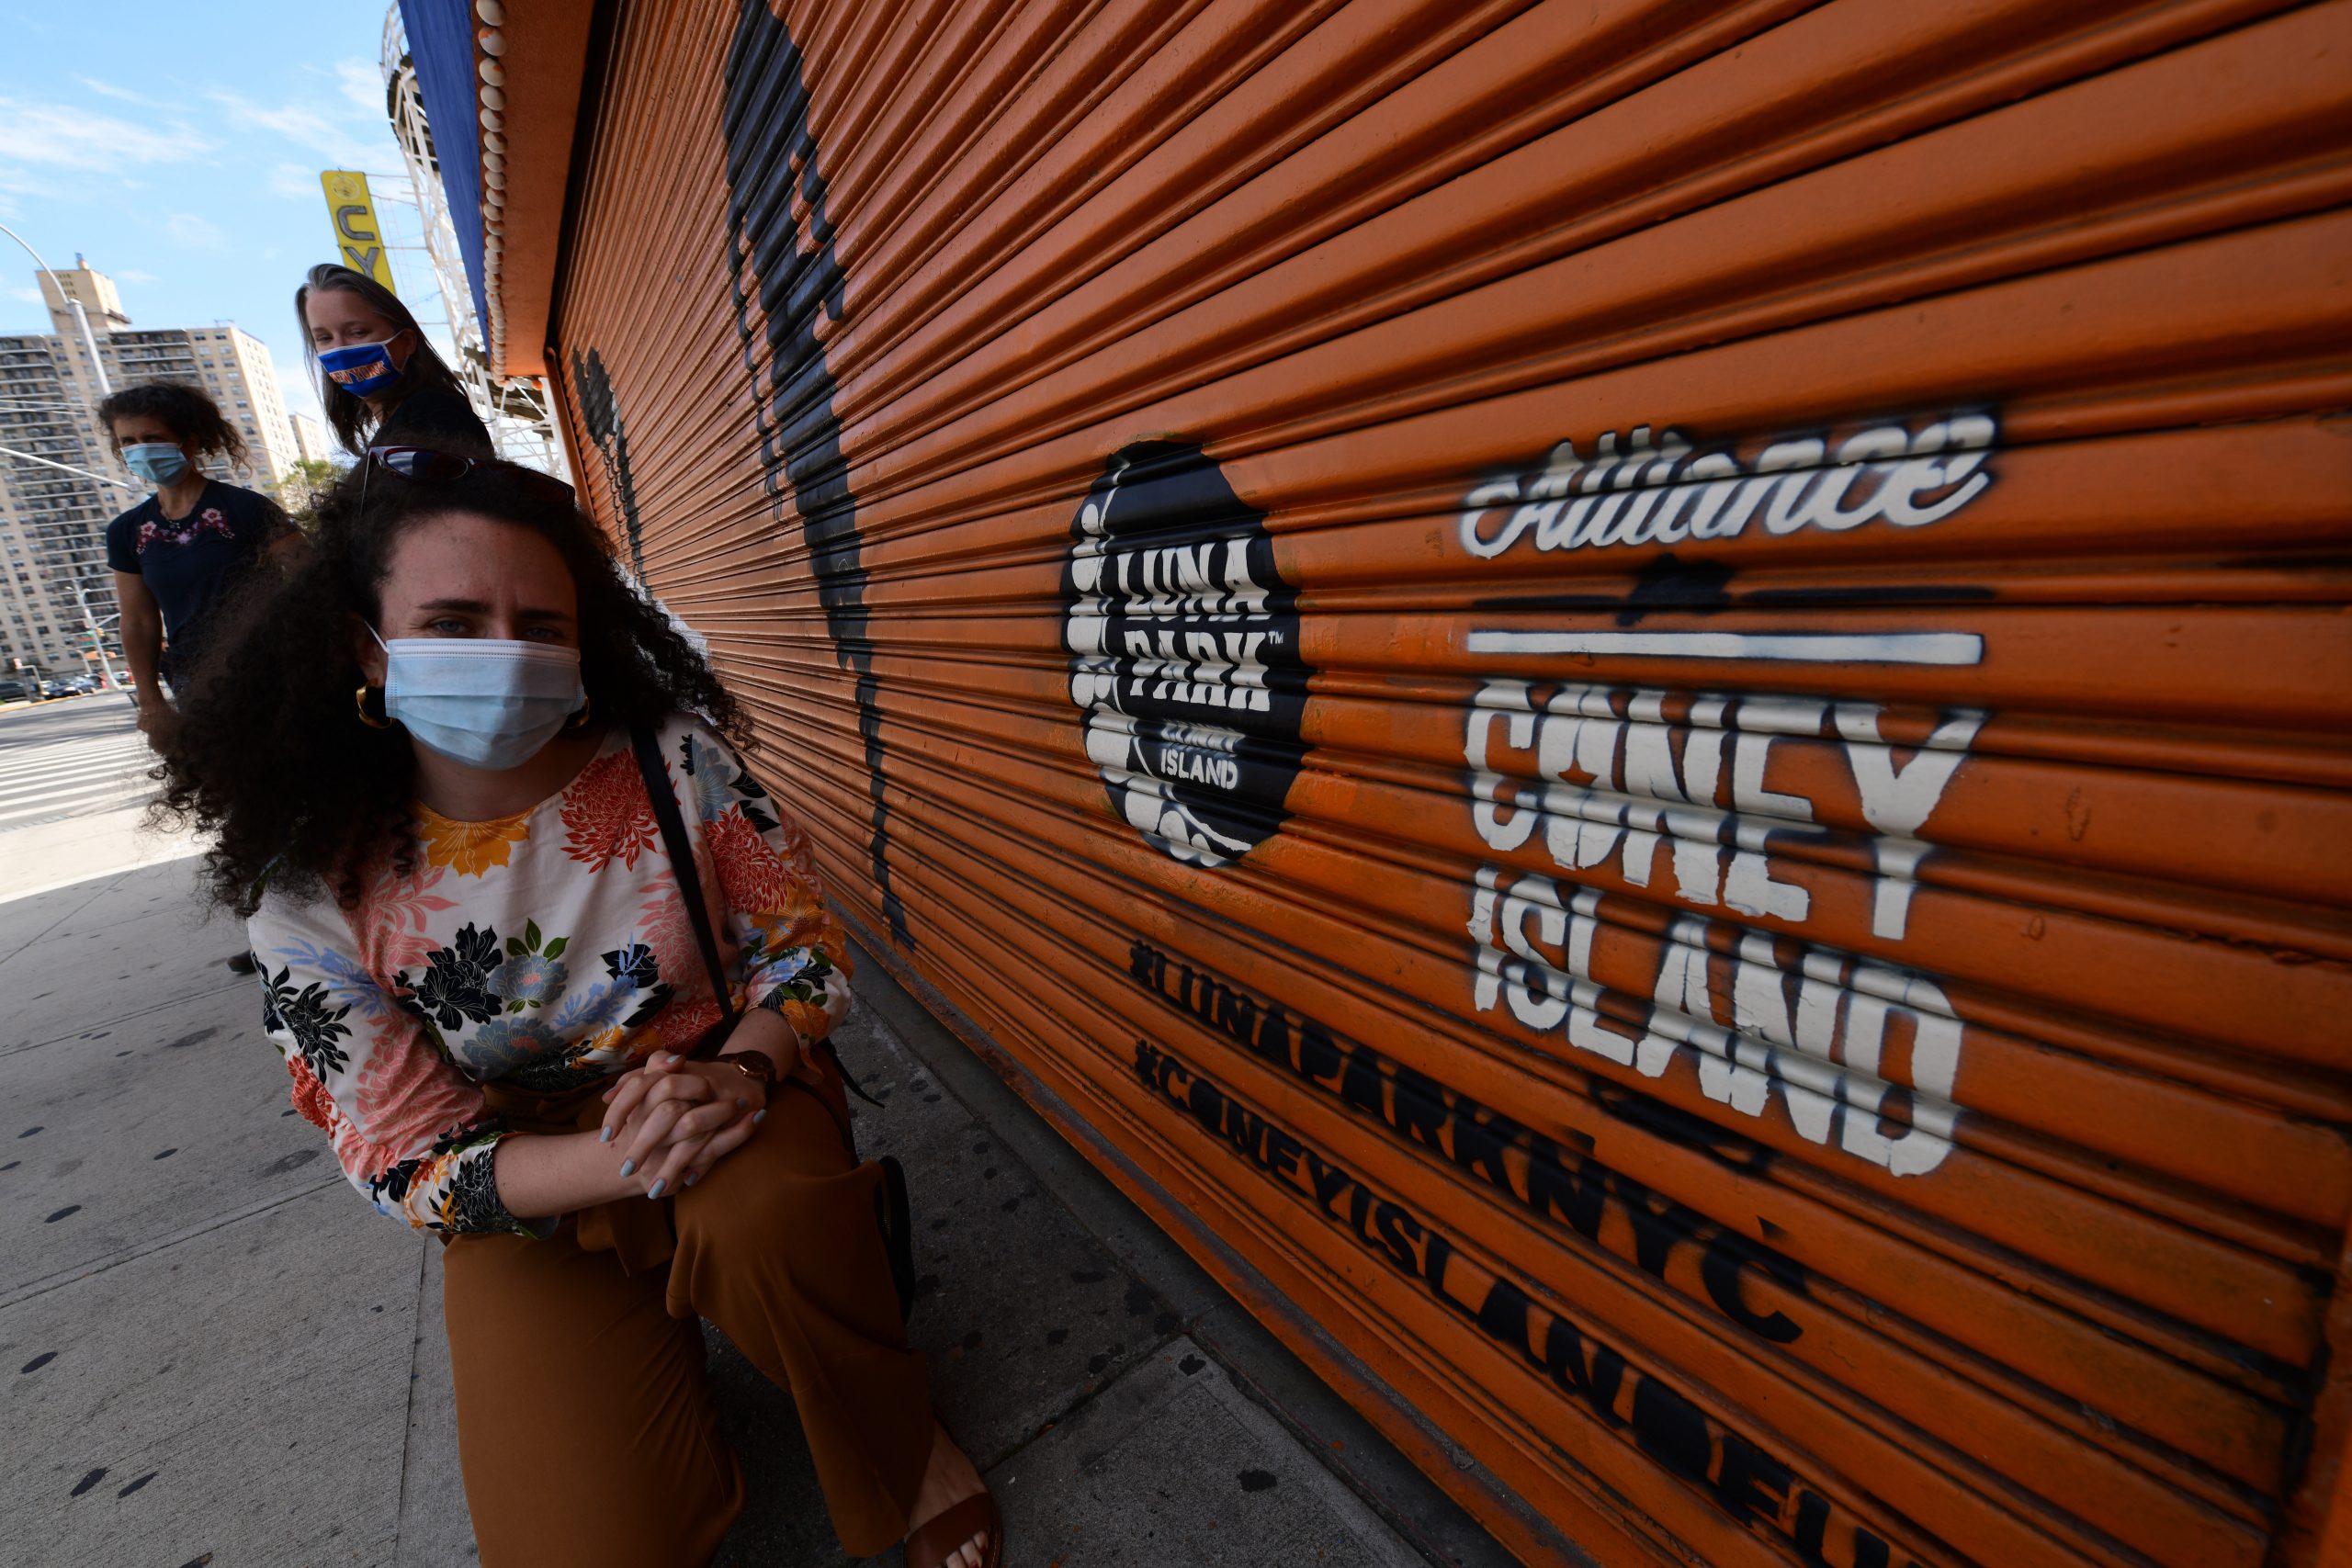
(49, 463)
(97, 637)
(81, 316)
(78, 599)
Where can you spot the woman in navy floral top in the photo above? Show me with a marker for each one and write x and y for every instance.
(482, 966)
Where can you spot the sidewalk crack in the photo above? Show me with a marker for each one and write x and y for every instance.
(1061, 1414)
(408, 1424)
(61, 920)
(132, 1254)
(181, 1000)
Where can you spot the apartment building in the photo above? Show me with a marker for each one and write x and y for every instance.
(52, 520)
(311, 443)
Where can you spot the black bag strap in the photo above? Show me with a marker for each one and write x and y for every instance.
(682, 860)
(682, 864)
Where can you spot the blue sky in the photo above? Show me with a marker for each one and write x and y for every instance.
(179, 147)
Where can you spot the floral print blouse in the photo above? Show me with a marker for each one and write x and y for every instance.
(549, 949)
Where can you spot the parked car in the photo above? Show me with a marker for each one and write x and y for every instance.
(18, 691)
(51, 690)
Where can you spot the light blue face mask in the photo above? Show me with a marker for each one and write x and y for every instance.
(488, 705)
(156, 463)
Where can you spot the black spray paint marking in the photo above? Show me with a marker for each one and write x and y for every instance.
(780, 252)
(1758, 1491)
(1554, 1183)
(1185, 654)
(601, 411)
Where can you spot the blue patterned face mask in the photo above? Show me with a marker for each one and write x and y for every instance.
(487, 703)
(363, 369)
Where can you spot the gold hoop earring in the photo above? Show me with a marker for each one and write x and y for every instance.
(579, 719)
(369, 719)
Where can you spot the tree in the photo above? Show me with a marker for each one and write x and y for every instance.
(300, 490)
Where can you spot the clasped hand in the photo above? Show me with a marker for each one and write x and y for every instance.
(670, 1120)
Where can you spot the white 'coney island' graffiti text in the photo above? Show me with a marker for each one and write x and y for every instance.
(1812, 1023)
(1624, 774)
(1669, 491)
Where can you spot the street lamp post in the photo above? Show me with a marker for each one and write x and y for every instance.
(89, 623)
(69, 468)
(97, 637)
(98, 374)
(81, 316)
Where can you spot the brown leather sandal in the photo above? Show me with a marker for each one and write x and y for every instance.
(949, 1528)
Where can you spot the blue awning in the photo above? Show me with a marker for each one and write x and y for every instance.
(441, 43)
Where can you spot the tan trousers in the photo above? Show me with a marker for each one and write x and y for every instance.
(584, 1425)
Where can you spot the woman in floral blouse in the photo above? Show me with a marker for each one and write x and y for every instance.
(424, 759)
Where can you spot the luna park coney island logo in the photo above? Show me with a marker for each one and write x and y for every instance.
(1185, 654)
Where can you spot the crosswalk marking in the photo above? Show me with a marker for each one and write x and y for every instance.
(12, 779)
(101, 764)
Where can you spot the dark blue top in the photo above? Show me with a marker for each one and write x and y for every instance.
(190, 563)
(434, 417)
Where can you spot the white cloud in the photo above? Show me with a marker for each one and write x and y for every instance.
(108, 90)
(134, 275)
(54, 136)
(188, 230)
(294, 182)
(338, 145)
(26, 292)
(362, 83)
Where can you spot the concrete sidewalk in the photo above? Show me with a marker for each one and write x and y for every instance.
(217, 1353)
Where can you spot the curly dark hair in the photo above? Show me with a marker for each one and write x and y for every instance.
(268, 756)
(352, 415)
(184, 411)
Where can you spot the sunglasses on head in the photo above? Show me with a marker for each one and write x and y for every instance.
(430, 466)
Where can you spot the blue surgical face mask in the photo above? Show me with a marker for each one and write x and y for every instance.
(156, 463)
(363, 369)
(486, 704)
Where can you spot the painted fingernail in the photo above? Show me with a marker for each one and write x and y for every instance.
(758, 1117)
(692, 1177)
(605, 1136)
(741, 1104)
(672, 1060)
(627, 1166)
(655, 1191)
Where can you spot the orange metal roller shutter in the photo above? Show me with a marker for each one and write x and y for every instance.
(1643, 704)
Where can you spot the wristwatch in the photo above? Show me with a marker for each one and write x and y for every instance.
(757, 1066)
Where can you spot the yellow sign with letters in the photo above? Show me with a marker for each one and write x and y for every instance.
(358, 238)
